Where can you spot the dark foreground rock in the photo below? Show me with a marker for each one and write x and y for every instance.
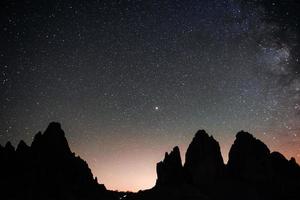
(47, 170)
(252, 173)
(170, 171)
(204, 164)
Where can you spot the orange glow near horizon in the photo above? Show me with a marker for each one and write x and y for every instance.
(133, 166)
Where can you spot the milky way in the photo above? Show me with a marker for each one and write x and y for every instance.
(129, 80)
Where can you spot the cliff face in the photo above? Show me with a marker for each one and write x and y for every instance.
(46, 170)
(248, 158)
(203, 161)
(252, 172)
(203, 164)
(170, 171)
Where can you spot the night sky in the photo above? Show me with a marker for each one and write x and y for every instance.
(129, 80)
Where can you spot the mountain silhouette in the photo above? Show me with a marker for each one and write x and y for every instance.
(170, 171)
(48, 169)
(203, 161)
(247, 158)
(252, 172)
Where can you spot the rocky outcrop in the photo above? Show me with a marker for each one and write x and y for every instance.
(283, 176)
(252, 172)
(47, 170)
(203, 161)
(9, 148)
(248, 158)
(22, 147)
(52, 142)
(170, 171)
(270, 175)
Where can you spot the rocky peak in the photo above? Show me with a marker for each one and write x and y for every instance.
(54, 130)
(173, 157)
(47, 165)
(203, 161)
(22, 147)
(36, 139)
(279, 163)
(52, 141)
(248, 157)
(293, 162)
(169, 171)
(9, 147)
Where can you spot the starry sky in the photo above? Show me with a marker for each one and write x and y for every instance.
(130, 79)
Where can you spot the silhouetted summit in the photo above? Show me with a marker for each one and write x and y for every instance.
(9, 148)
(248, 157)
(170, 171)
(52, 142)
(47, 170)
(252, 172)
(203, 160)
(22, 147)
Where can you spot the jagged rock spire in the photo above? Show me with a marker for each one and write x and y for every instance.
(169, 171)
(248, 157)
(203, 161)
(22, 146)
(47, 170)
(52, 141)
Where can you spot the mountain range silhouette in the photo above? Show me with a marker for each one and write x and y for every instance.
(48, 169)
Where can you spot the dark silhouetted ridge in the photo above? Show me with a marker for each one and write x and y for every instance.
(9, 147)
(248, 157)
(203, 161)
(22, 146)
(47, 170)
(170, 171)
(252, 173)
(52, 142)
